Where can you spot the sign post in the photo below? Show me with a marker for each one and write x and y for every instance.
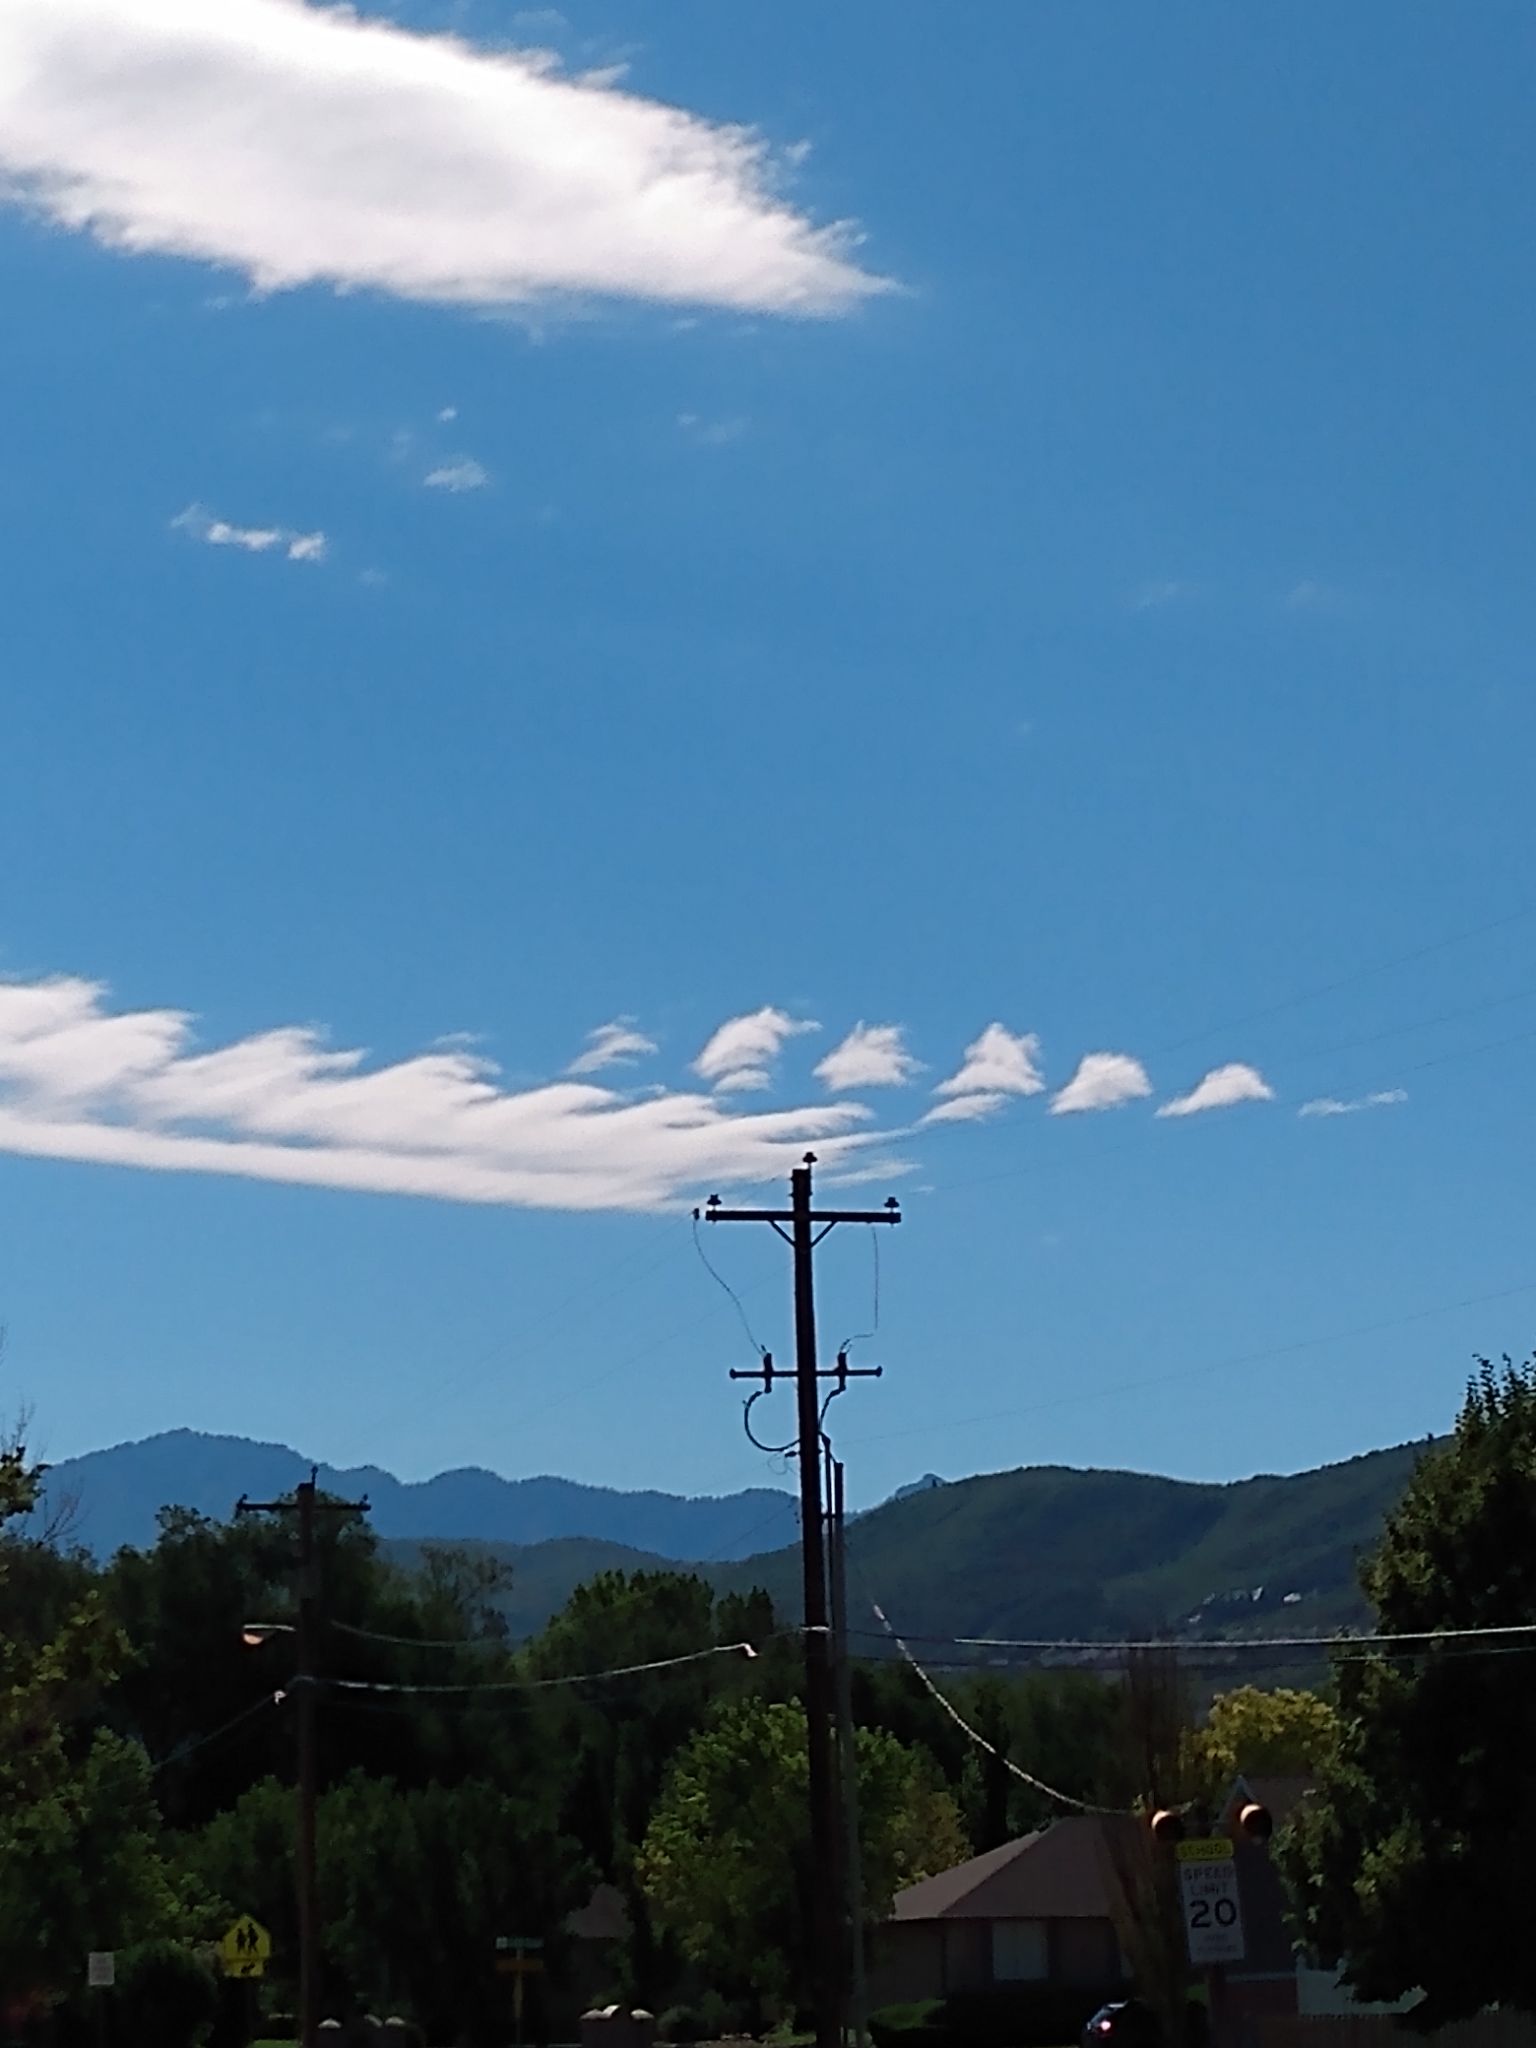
(519, 1956)
(1213, 1914)
(100, 1976)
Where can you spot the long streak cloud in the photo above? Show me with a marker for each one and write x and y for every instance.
(298, 144)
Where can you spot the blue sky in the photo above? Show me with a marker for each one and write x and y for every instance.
(1015, 536)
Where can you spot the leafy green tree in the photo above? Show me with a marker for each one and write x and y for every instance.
(81, 1868)
(1249, 1729)
(726, 1860)
(1411, 1863)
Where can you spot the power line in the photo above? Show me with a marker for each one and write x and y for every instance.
(1342, 1640)
(183, 1750)
(980, 1740)
(721, 1282)
(1199, 1371)
(1329, 988)
(516, 1685)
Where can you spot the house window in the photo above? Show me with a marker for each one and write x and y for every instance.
(1020, 1952)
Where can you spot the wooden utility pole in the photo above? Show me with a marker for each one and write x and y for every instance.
(802, 1229)
(305, 1687)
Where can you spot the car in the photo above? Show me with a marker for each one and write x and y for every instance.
(1125, 2023)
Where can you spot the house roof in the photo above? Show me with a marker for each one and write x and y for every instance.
(1060, 1873)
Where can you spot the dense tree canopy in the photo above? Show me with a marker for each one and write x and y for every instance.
(1411, 1865)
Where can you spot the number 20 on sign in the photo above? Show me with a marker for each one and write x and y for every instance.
(1213, 1914)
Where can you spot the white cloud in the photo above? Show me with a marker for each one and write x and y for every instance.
(712, 433)
(1330, 1105)
(1157, 591)
(965, 1109)
(447, 415)
(871, 1056)
(199, 524)
(463, 473)
(1103, 1080)
(617, 1044)
(999, 1062)
(1220, 1089)
(739, 1056)
(79, 1081)
(301, 144)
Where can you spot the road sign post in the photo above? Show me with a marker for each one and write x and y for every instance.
(519, 1956)
(1213, 1913)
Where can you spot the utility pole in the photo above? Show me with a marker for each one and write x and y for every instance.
(305, 1686)
(853, 1868)
(806, 1227)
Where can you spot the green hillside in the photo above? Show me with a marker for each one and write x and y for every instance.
(1047, 1551)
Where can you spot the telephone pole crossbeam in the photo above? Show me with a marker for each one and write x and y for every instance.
(803, 1228)
(306, 1504)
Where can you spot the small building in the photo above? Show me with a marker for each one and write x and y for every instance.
(1035, 1911)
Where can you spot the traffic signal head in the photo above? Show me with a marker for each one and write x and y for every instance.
(1167, 1825)
(1256, 1821)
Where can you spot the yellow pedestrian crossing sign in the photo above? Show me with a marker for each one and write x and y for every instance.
(245, 1948)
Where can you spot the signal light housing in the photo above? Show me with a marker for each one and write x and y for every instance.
(1167, 1825)
(1256, 1821)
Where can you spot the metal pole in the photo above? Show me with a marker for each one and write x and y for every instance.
(858, 2013)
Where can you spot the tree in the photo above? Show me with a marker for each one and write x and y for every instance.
(726, 1859)
(1411, 1863)
(81, 1868)
(1249, 1729)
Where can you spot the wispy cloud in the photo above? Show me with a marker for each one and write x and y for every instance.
(739, 1056)
(999, 1062)
(200, 524)
(80, 1081)
(463, 473)
(1104, 1080)
(302, 144)
(966, 1109)
(1157, 591)
(617, 1044)
(447, 415)
(1220, 1089)
(1332, 1105)
(712, 433)
(871, 1056)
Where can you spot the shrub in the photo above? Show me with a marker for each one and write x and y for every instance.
(165, 1995)
(1007, 2016)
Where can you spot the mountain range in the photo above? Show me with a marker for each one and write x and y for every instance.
(1044, 1551)
(113, 1497)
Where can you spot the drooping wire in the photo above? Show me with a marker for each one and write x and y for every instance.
(721, 1282)
(183, 1750)
(518, 1685)
(373, 1635)
(868, 1336)
(1341, 1640)
(768, 1450)
(974, 1735)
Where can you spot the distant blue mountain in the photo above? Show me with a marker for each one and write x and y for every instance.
(116, 1495)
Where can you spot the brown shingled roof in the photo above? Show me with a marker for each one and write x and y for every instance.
(1061, 1873)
